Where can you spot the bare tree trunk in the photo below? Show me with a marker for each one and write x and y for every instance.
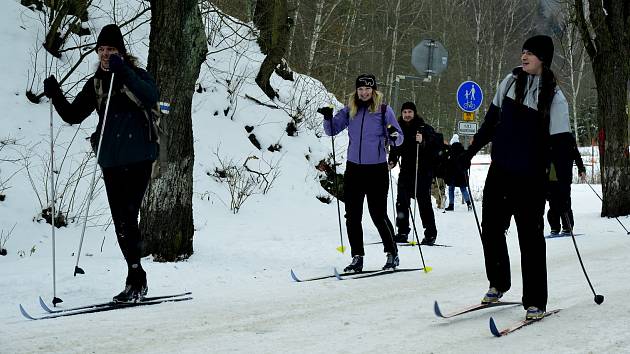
(317, 27)
(392, 61)
(272, 18)
(607, 41)
(296, 17)
(349, 38)
(478, 17)
(576, 72)
(176, 51)
(342, 44)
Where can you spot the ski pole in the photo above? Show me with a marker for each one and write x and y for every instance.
(600, 198)
(598, 298)
(391, 180)
(391, 187)
(77, 269)
(415, 232)
(472, 202)
(53, 191)
(415, 189)
(340, 248)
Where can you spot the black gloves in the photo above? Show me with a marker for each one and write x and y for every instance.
(115, 63)
(392, 133)
(392, 163)
(327, 112)
(52, 87)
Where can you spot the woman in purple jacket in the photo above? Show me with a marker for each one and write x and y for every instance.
(371, 127)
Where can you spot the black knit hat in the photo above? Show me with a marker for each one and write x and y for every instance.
(409, 105)
(112, 37)
(542, 47)
(366, 80)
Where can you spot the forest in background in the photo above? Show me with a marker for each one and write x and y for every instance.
(335, 40)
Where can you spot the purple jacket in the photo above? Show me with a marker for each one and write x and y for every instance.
(367, 133)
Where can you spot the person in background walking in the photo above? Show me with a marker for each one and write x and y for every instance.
(416, 173)
(564, 152)
(455, 177)
(371, 127)
(128, 146)
(526, 115)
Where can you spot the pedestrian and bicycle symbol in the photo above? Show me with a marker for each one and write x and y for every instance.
(469, 96)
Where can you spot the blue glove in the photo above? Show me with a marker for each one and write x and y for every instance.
(116, 63)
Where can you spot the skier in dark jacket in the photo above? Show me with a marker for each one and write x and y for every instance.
(128, 147)
(564, 152)
(454, 176)
(419, 147)
(523, 121)
(371, 127)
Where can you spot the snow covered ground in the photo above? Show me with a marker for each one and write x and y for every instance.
(244, 299)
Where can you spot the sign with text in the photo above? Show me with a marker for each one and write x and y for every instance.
(466, 128)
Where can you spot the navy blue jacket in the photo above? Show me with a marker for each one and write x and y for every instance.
(126, 139)
(521, 137)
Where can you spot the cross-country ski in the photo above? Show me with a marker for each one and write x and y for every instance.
(471, 308)
(46, 308)
(94, 309)
(518, 325)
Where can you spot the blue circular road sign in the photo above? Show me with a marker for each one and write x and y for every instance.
(469, 96)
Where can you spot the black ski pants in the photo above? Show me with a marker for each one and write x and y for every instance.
(559, 196)
(406, 186)
(505, 195)
(125, 186)
(371, 181)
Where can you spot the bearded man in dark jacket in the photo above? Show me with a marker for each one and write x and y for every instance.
(416, 172)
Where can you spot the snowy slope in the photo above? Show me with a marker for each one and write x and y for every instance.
(244, 300)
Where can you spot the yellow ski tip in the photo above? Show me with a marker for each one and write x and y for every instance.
(427, 269)
(341, 249)
(413, 243)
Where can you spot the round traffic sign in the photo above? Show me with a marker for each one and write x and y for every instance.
(429, 57)
(469, 96)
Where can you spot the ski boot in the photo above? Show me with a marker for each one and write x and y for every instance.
(135, 286)
(428, 241)
(493, 295)
(392, 262)
(401, 238)
(450, 207)
(534, 313)
(469, 205)
(355, 266)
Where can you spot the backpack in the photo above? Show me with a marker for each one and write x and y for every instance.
(154, 117)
